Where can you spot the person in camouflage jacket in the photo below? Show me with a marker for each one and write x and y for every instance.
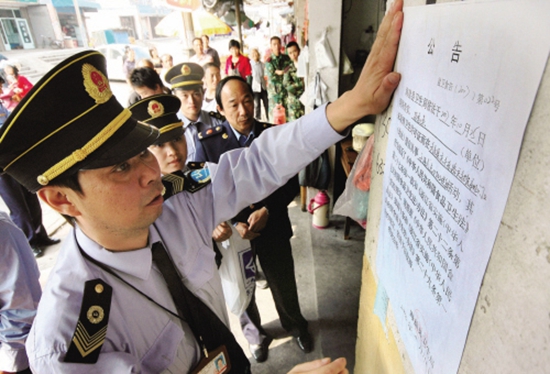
(293, 84)
(275, 67)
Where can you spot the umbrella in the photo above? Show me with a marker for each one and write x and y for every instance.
(184, 4)
(203, 23)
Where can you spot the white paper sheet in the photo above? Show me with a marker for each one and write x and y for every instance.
(470, 73)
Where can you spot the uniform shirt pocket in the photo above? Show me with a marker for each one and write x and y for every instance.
(166, 352)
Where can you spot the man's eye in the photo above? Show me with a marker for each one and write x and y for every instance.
(122, 167)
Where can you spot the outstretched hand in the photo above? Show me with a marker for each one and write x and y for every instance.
(322, 366)
(378, 81)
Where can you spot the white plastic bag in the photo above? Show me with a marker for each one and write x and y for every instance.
(347, 68)
(325, 58)
(238, 272)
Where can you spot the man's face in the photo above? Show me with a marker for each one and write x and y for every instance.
(238, 106)
(171, 155)
(144, 91)
(205, 42)
(118, 202)
(276, 47)
(212, 77)
(293, 53)
(197, 46)
(191, 103)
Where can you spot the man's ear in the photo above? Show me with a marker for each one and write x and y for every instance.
(56, 198)
(220, 110)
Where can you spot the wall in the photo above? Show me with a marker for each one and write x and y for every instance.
(510, 330)
(42, 25)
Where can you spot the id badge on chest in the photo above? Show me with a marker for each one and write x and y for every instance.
(217, 362)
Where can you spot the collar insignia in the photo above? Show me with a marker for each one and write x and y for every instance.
(96, 84)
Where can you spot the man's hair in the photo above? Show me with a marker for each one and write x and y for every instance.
(210, 65)
(167, 55)
(293, 44)
(71, 182)
(224, 81)
(205, 36)
(274, 38)
(199, 39)
(147, 77)
(234, 43)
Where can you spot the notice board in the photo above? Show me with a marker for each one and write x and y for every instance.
(451, 144)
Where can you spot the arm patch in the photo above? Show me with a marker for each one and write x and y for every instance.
(190, 180)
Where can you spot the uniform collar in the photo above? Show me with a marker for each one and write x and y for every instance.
(137, 263)
(187, 122)
(238, 134)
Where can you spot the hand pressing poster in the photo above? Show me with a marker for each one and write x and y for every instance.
(470, 74)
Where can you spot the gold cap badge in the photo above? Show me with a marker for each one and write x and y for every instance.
(185, 70)
(155, 109)
(96, 84)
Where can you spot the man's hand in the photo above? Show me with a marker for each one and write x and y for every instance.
(245, 232)
(279, 72)
(222, 232)
(373, 91)
(322, 366)
(258, 219)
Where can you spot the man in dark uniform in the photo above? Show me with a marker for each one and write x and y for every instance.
(266, 224)
(187, 84)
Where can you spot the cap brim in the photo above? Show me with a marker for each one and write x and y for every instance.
(132, 144)
(169, 136)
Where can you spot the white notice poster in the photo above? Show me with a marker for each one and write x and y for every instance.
(470, 73)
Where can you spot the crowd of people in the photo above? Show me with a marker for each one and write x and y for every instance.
(274, 81)
(151, 190)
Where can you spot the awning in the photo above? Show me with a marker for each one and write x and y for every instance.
(70, 4)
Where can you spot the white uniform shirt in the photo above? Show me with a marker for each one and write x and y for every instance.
(141, 337)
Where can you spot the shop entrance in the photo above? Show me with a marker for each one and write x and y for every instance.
(14, 30)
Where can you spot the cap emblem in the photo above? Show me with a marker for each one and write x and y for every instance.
(185, 70)
(155, 109)
(96, 84)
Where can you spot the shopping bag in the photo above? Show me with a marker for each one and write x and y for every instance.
(238, 272)
(325, 58)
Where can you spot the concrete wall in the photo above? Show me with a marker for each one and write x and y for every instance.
(510, 330)
(42, 24)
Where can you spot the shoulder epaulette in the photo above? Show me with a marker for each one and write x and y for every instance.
(191, 180)
(266, 125)
(91, 328)
(195, 165)
(217, 115)
(216, 130)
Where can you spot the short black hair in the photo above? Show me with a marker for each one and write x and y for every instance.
(292, 44)
(234, 43)
(274, 38)
(147, 77)
(222, 83)
(210, 65)
(71, 182)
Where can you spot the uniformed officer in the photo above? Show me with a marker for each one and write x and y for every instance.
(170, 149)
(187, 84)
(266, 223)
(108, 306)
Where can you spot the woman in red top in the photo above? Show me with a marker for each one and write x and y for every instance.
(18, 87)
(237, 64)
